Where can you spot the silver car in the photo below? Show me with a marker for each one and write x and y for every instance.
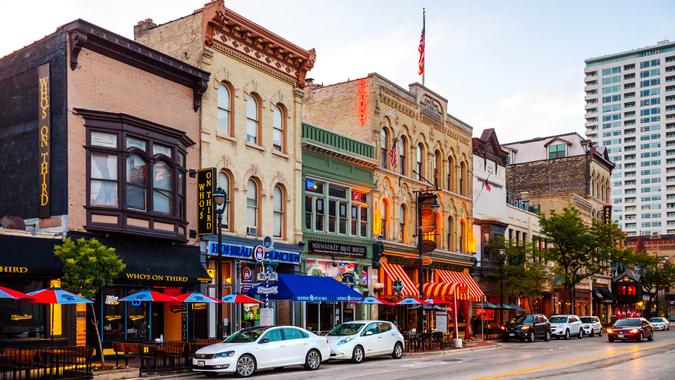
(591, 326)
(660, 323)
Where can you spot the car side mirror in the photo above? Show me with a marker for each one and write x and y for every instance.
(368, 333)
(263, 341)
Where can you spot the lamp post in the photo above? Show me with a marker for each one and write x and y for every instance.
(421, 197)
(502, 254)
(220, 199)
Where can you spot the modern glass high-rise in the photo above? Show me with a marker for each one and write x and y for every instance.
(630, 109)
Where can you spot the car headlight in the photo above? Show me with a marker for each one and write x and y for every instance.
(525, 328)
(345, 340)
(609, 331)
(634, 331)
(502, 327)
(226, 354)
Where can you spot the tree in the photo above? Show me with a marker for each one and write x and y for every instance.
(654, 274)
(88, 267)
(578, 250)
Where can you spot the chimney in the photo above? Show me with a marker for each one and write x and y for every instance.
(142, 27)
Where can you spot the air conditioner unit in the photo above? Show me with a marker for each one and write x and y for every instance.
(251, 231)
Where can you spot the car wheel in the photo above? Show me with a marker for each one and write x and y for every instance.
(313, 360)
(581, 334)
(600, 332)
(245, 365)
(567, 334)
(531, 337)
(592, 333)
(547, 337)
(357, 355)
(398, 351)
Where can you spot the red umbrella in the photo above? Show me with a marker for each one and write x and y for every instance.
(149, 296)
(7, 293)
(239, 298)
(196, 297)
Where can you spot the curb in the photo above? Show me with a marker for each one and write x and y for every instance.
(168, 375)
(453, 351)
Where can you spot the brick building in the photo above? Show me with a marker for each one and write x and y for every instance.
(251, 133)
(99, 134)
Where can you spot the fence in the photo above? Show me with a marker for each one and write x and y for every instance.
(46, 363)
(169, 356)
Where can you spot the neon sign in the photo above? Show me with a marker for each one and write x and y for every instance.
(362, 101)
(44, 136)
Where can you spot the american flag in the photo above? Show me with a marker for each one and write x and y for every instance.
(393, 157)
(420, 48)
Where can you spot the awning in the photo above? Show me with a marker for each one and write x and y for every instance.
(473, 293)
(602, 295)
(391, 273)
(162, 266)
(442, 290)
(295, 287)
(29, 256)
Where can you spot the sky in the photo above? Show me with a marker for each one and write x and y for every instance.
(516, 66)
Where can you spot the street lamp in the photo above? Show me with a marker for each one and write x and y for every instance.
(502, 254)
(435, 206)
(220, 199)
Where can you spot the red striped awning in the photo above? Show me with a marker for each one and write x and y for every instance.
(392, 272)
(439, 290)
(473, 293)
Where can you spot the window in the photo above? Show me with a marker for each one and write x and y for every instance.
(462, 178)
(223, 181)
(556, 151)
(291, 333)
(337, 209)
(403, 154)
(347, 209)
(385, 217)
(402, 222)
(437, 168)
(162, 181)
(462, 236)
(419, 154)
(384, 147)
(451, 169)
(224, 112)
(278, 211)
(273, 336)
(252, 204)
(136, 182)
(450, 233)
(278, 132)
(252, 119)
(103, 181)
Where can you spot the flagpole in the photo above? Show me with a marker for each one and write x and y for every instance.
(424, 37)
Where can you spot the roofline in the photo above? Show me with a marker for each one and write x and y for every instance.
(544, 138)
(628, 52)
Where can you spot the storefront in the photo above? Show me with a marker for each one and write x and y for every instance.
(27, 263)
(603, 302)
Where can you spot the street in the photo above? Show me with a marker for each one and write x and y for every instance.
(589, 358)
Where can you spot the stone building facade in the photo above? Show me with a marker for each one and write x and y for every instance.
(250, 130)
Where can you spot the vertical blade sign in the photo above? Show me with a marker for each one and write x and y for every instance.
(44, 127)
(206, 180)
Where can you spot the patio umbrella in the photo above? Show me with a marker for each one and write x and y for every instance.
(56, 296)
(149, 296)
(7, 293)
(375, 301)
(193, 297)
(436, 301)
(410, 301)
(239, 298)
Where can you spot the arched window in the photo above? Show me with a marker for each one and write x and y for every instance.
(279, 131)
(162, 183)
(462, 236)
(451, 174)
(384, 146)
(450, 229)
(385, 218)
(403, 154)
(279, 212)
(402, 224)
(419, 155)
(224, 110)
(607, 191)
(223, 181)
(136, 182)
(462, 178)
(437, 168)
(252, 205)
(252, 119)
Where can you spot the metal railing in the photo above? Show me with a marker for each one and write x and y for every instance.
(169, 356)
(46, 363)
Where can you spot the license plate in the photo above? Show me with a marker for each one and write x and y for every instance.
(201, 363)
(620, 336)
(512, 334)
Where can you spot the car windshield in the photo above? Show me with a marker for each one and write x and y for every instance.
(656, 319)
(346, 329)
(558, 320)
(246, 335)
(522, 319)
(627, 322)
(586, 319)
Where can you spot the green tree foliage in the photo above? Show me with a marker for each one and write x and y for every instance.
(88, 267)
(654, 273)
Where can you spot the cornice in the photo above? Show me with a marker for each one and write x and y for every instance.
(82, 34)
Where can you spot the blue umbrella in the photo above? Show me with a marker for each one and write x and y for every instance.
(410, 301)
(375, 301)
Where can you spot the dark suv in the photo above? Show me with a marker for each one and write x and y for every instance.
(527, 327)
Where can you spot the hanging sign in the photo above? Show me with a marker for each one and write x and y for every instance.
(259, 253)
(205, 207)
(44, 131)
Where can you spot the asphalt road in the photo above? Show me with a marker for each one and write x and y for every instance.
(587, 358)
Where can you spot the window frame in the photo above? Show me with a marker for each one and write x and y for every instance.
(230, 91)
(557, 152)
(258, 138)
(258, 206)
(353, 221)
(419, 161)
(282, 212)
(281, 128)
(384, 147)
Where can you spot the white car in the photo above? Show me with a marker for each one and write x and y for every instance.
(660, 323)
(565, 326)
(360, 339)
(256, 348)
(591, 326)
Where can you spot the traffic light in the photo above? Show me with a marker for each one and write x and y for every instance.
(378, 250)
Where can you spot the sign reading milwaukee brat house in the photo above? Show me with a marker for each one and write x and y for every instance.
(206, 181)
(335, 249)
(44, 131)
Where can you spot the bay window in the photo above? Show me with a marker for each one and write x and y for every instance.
(347, 212)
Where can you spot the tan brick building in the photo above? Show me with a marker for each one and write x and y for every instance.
(250, 131)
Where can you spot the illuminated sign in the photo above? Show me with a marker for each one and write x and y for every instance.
(362, 101)
(358, 196)
(155, 277)
(111, 300)
(205, 207)
(21, 317)
(44, 127)
(246, 253)
(428, 222)
(335, 249)
(13, 269)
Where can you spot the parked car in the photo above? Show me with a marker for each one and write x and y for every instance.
(357, 340)
(527, 327)
(660, 323)
(565, 326)
(591, 326)
(254, 348)
(631, 329)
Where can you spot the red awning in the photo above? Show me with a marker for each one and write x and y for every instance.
(440, 290)
(392, 272)
(473, 291)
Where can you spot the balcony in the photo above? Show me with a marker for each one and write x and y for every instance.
(591, 97)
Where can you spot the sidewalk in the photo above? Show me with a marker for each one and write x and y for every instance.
(467, 347)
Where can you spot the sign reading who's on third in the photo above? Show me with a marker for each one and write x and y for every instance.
(206, 183)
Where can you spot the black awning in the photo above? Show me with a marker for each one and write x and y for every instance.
(603, 295)
(161, 265)
(29, 256)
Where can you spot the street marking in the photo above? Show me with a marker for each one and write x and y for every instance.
(561, 363)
